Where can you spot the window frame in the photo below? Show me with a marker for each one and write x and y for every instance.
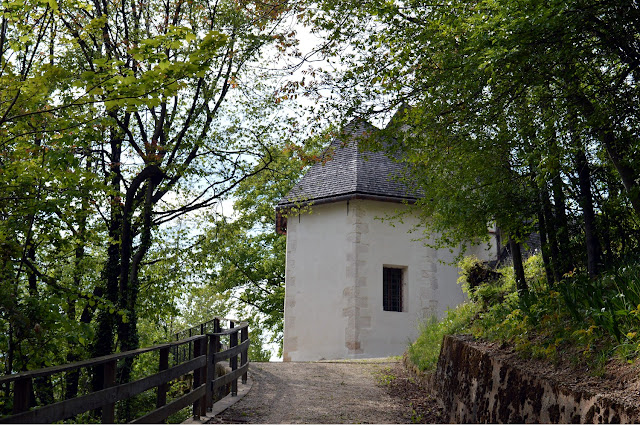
(393, 288)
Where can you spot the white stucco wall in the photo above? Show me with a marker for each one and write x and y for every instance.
(333, 300)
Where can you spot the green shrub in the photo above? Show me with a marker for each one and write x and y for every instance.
(582, 319)
(479, 281)
(611, 304)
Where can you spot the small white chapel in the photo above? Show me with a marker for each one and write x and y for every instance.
(357, 286)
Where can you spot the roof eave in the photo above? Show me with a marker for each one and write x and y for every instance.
(346, 197)
(281, 219)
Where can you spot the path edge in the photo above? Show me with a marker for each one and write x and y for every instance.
(223, 404)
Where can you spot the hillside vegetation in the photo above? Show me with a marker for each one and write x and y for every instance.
(586, 321)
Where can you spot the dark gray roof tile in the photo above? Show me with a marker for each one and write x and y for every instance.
(351, 171)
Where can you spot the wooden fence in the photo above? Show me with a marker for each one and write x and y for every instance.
(192, 359)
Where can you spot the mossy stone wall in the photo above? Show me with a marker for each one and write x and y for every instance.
(476, 386)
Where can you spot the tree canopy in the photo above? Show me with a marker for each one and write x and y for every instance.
(116, 119)
(519, 113)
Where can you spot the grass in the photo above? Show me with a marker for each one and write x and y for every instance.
(586, 321)
(425, 350)
(385, 376)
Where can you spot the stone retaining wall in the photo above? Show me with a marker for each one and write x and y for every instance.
(477, 387)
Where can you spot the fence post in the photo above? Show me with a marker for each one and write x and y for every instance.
(244, 359)
(217, 329)
(218, 347)
(200, 405)
(163, 364)
(234, 360)
(211, 368)
(21, 395)
(190, 342)
(174, 350)
(204, 371)
(109, 373)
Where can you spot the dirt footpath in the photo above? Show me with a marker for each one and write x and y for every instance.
(321, 392)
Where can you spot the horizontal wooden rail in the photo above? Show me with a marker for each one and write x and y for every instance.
(69, 408)
(234, 351)
(230, 331)
(226, 379)
(176, 405)
(204, 351)
(202, 328)
(96, 361)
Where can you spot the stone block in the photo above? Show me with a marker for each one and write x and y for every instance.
(364, 322)
(362, 302)
(362, 228)
(353, 345)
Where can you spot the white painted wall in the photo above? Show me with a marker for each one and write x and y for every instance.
(333, 300)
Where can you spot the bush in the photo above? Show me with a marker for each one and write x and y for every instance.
(582, 319)
(610, 304)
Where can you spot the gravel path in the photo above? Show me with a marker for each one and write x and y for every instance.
(319, 392)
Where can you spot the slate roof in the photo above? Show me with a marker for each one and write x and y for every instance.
(351, 171)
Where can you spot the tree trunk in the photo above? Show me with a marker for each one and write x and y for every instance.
(589, 218)
(542, 225)
(130, 268)
(518, 268)
(562, 224)
(32, 278)
(544, 246)
(103, 343)
(617, 152)
(552, 234)
(130, 263)
(608, 227)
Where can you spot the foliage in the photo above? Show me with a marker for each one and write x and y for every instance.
(117, 119)
(480, 283)
(579, 319)
(519, 114)
(385, 376)
(611, 303)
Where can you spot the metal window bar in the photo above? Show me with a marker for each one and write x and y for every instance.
(392, 289)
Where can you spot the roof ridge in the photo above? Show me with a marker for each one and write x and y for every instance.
(356, 142)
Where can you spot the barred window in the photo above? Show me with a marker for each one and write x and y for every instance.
(391, 289)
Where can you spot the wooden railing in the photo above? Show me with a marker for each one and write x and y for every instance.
(201, 353)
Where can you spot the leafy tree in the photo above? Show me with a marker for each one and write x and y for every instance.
(509, 112)
(116, 118)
